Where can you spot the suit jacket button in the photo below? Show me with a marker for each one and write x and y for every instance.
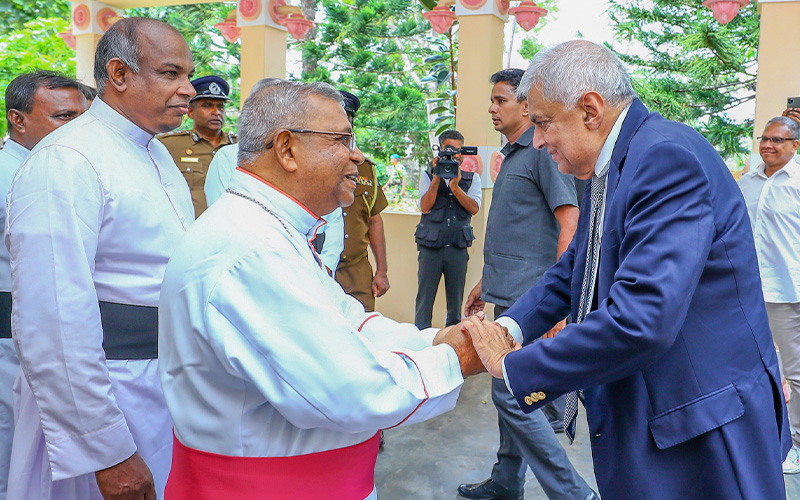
(541, 396)
(528, 400)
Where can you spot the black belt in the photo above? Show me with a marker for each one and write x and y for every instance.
(5, 315)
(129, 332)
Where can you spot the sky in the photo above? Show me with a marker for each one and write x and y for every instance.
(585, 16)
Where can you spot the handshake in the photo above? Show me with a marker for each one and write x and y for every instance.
(481, 345)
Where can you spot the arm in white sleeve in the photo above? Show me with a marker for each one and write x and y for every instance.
(475, 191)
(334, 239)
(292, 337)
(220, 171)
(55, 214)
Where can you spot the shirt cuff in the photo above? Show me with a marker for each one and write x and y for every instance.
(513, 327)
(505, 377)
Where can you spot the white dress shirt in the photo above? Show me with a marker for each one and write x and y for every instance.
(474, 191)
(11, 157)
(600, 168)
(94, 214)
(263, 355)
(773, 204)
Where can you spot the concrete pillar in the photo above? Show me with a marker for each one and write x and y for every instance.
(90, 20)
(778, 75)
(263, 52)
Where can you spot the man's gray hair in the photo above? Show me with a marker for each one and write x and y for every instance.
(790, 124)
(564, 73)
(121, 41)
(275, 105)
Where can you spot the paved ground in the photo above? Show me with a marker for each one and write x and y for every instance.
(428, 461)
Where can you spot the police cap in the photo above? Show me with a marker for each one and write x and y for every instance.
(210, 87)
(351, 103)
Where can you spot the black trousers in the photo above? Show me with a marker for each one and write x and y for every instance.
(433, 263)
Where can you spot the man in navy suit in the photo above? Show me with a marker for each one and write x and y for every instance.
(673, 349)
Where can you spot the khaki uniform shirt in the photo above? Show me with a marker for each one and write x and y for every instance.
(369, 201)
(192, 153)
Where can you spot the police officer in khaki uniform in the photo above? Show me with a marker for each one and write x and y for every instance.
(363, 226)
(193, 149)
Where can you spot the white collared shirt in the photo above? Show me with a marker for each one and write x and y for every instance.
(773, 204)
(600, 167)
(11, 157)
(262, 354)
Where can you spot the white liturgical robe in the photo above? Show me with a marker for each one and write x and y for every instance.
(263, 355)
(94, 214)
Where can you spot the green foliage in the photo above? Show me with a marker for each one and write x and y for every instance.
(213, 55)
(34, 46)
(15, 13)
(382, 51)
(694, 70)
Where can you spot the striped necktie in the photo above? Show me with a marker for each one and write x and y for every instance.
(587, 290)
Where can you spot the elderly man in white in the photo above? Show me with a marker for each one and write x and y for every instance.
(772, 194)
(278, 382)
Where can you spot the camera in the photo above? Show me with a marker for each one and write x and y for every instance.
(793, 102)
(446, 165)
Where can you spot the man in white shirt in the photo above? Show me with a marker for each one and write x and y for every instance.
(772, 194)
(278, 382)
(94, 214)
(36, 104)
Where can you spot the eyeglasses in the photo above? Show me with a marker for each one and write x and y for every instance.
(348, 140)
(776, 140)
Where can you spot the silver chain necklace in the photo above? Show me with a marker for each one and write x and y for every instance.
(266, 209)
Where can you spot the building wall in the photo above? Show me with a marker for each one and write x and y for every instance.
(398, 303)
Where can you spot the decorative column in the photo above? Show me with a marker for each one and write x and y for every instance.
(90, 20)
(263, 42)
(778, 75)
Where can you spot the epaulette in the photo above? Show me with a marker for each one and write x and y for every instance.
(173, 134)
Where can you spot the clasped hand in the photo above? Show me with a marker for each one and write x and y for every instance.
(481, 345)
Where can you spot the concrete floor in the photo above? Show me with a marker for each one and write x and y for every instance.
(428, 461)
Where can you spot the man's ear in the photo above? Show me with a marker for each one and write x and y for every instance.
(286, 148)
(17, 120)
(118, 74)
(525, 108)
(593, 107)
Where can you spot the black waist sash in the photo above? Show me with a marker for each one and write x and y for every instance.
(5, 315)
(129, 332)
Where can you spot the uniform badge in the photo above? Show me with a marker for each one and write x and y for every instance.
(189, 151)
(361, 179)
(214, 88)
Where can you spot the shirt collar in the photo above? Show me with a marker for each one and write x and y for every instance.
(792, 169)
(16, 150)
(113, 118)
(604, 159)
(285, 206)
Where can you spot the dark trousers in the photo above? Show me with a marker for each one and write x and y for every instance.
(433, 263)
(527, 439)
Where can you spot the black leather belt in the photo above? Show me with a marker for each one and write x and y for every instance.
(5, 315)
(129, 332)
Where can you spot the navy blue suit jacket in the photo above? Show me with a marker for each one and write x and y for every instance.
(683, 394)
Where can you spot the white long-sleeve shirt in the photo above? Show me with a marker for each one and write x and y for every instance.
(94, 214)
(773, 204)
(263, 355)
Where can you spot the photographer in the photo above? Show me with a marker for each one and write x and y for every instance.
(450, 197)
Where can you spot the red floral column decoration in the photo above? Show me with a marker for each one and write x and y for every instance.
(725, 10)
(528, 14)
(441, 17)
(228, 28)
